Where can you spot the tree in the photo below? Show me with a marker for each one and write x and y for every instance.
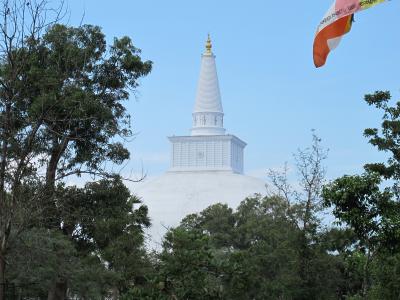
(385, 274)
(110, 222)
(188, 266)
(61, 109)
(105, 253)
(263, 263)
(22, 23)
(216, 221)
(268, 248)
(304, 203)
(311, 172)
(362, 203)
(253, 252)
(39, 255)
(343, 260)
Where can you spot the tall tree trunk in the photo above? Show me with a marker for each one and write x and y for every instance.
(50, 212)
(2, 276)
(51, 172)
(58, 291)
(365, 284)
(4, 209)
(60, 287)
(304, 263)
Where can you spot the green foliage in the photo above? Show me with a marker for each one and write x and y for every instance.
(37, 257)
(369, 205)
(62, 94)
(268, 248)
(217, 221)
(83, 98)
(386, 276)
(72, 88)
(105, 250)
(62, 97)
(358, 202)
(251, 253)
(188, 266)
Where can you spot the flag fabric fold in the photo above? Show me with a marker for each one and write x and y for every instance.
(336, 23)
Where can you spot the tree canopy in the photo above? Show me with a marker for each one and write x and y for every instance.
(62, 113)
(369, 204)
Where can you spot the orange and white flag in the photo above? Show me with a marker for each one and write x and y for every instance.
(336, 23)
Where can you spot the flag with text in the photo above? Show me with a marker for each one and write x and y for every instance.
(336, 23)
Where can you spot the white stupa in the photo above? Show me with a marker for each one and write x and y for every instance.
(206, 167)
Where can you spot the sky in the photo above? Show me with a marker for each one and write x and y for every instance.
(272, 94)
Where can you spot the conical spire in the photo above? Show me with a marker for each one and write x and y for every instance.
(208, 113)
(208, 46)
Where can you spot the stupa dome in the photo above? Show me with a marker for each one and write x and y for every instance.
(206, 167)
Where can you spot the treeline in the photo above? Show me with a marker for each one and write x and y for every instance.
(278, 247)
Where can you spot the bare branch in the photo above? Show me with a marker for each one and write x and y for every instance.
(280, 183)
